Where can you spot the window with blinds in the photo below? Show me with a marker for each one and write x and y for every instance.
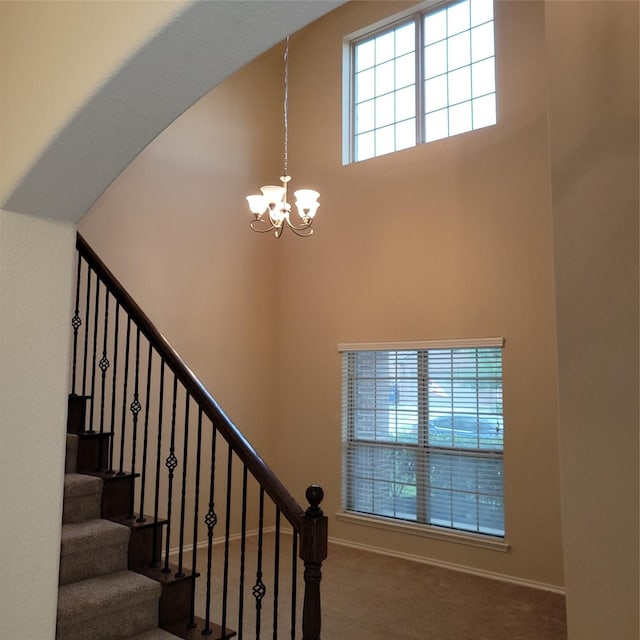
(423, 433)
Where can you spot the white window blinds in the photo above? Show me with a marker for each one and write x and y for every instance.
(423, 434)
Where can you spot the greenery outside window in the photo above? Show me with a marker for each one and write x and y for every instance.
(423, 433)
(427, 76)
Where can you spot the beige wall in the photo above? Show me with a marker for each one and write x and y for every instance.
(40, 65)
(174, 229)
(594, 161)
(451, 239)
(36, 259)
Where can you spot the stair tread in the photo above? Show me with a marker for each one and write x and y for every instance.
(95, 527)
(95, 531)
(155, 634)
(113, 590)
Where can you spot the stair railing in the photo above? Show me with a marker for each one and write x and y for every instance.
(143, 408)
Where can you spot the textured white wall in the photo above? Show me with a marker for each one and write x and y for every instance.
(36, 274)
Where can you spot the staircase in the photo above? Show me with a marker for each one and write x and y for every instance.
(158, 479)
(99, 596)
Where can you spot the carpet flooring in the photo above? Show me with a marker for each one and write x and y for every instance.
(368, 596)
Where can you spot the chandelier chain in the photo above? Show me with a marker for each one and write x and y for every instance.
(286, 106)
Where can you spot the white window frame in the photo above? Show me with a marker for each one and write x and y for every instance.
(423, 134)
(491, 540)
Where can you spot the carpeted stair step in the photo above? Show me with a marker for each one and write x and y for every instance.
(155, 634)
(82, 498)
(92, 548)
(70, 461)
(111, 607)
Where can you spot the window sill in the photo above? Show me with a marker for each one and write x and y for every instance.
(425, 531)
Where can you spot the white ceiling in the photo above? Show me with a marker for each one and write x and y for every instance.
(206, 43)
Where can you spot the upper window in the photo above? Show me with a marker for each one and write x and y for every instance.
(423, 434)
(429, 76)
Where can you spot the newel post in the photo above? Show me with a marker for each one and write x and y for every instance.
(313, 550)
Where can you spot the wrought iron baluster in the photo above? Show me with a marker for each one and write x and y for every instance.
(171, 464)
(259, 590)
(225, 581)
(94, 356)
(76, 323)
(243, 545)
(294, 583)
(180, 573)
(104, 366)
(276, 575)
(210, 520)
(124, 397)
(156, 505)
(135, 407)
(192, 607)
(113, 389)
(145, 443)
(86, 335)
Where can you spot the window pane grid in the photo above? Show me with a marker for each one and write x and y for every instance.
(384, 70)
(453, 81)
(423, 436)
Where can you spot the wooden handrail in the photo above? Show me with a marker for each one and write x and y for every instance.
(240, 445)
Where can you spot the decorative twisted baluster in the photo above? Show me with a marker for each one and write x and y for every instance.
(294, 582)
(76, 323)
(135, 407)
(124, 397)
(94, 356)
(145, 443)
(183, 497)
(171, 464)
(227, 531)
(243, 546)
(211, 519)
(259, 589)
(113, 389)
(104, 364)
(86, 334)
(192, 606)
(156, 505)
(276, 575)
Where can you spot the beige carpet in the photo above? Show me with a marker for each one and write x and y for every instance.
(367, 596)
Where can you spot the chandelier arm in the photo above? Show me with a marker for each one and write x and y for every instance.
(253, 225)
(297, 231)
(300, 227)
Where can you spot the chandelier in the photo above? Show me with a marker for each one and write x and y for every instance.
(271, 209)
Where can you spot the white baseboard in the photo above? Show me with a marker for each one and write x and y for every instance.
(450, 565)
(220, 540)
(532, 584)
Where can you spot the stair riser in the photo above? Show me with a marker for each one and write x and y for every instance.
(110, 624)
(79, 508)
(71, 458)
(92, 562)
